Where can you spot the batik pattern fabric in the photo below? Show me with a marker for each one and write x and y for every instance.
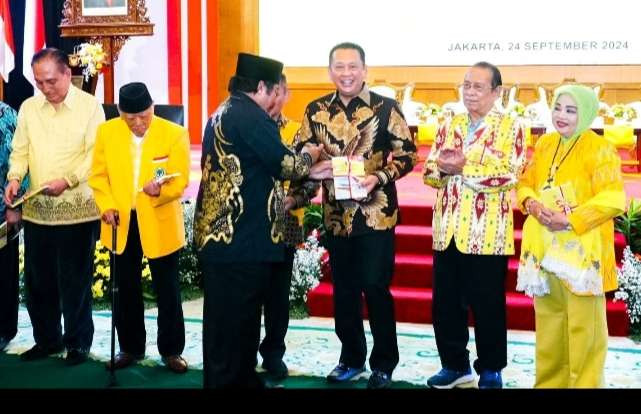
(239, 207)
(583, 257)
(8, 118)
(475, 207)
(372, 127)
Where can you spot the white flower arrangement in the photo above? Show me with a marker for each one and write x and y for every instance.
(630, 285)
(89, 56)
(622, 112)
(531, 113)
(306, 271)
(517, 109)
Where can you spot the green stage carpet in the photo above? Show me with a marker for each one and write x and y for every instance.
(312, 351)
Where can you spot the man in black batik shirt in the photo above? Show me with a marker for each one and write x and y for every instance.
(354, 122)
(238, 224)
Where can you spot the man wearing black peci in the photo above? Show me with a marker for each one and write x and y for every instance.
(239, 219)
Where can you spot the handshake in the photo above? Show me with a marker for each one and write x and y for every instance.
(358, 185)
(320, 170)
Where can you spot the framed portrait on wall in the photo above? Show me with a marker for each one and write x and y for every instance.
(104, 7)
(89, 18)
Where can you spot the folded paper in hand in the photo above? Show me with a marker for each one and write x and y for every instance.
(27, 196)
(347, 171)
(163, 179)
(560, 198)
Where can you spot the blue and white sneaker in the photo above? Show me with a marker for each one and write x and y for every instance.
(344, 373)
(490, 379)
(447, 378)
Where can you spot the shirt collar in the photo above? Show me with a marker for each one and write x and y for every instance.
(247, 98)
(282, 121)
(364, 95)
(68, 101)
(493, 113)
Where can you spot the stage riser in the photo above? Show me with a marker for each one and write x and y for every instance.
(415, 306)
(418, 240)
(412, 282)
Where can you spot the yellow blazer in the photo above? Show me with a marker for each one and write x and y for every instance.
(160, 219)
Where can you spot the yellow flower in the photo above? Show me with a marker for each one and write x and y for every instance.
(91, 57)
(146, 272)
(96, 289)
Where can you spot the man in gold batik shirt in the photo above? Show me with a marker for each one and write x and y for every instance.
(475, 161)
(354, 122)
(54, 142)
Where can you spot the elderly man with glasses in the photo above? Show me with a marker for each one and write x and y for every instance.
(475, 161)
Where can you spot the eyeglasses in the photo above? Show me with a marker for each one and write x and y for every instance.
(477, 87)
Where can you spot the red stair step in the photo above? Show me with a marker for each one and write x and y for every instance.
(418, 240)
(415, 305)
(413, 239)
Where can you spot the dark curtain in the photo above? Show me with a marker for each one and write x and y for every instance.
(18, 89)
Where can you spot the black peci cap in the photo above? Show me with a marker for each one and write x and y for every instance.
(258, 68)
(134, 98)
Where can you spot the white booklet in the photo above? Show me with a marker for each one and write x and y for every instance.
(347, 172)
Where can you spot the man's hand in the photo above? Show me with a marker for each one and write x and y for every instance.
(14, 217)
(369, 183)
(534, 208)
(322, 170)
(111, 217)
(11, 191)
(56, 187)
(451, 161)
(554, 220)
(289, 203)
(313, 150)
(152, 188)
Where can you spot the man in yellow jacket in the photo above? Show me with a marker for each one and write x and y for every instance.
(474, 163)
(139, 172)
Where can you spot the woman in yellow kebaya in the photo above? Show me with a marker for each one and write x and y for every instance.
(571, 190)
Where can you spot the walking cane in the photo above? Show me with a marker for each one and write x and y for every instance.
(114, 292)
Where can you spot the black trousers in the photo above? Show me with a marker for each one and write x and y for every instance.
(464, 281)
(276, 309)
(9, 289)
(58, 277)
(364, 265)
(130, 309)
(234, 294)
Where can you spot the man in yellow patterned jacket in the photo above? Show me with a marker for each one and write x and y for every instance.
(475, 161)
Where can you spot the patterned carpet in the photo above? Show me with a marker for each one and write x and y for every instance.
(313, 349)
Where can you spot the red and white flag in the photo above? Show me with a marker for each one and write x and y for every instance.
(7, 48)
(34, 36)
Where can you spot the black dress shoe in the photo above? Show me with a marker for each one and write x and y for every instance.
(379, 380)
(75, 357)
(277, 370)
(123, 360)
(40, 352)
(176, 363)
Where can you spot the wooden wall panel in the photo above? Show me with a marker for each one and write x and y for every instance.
(237, 32)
